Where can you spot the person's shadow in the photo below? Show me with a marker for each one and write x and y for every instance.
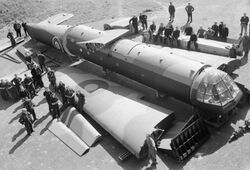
(18, 144)
(15, 118)
(18, 108)
(18, 134)
(41, 102)
(46, 127)
(39, 121)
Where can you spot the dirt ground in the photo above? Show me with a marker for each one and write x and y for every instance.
(44, 151)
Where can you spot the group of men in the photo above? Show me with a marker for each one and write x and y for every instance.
(18, 88)
(134, 22)
(216, 32)
(165, 34)
(17, 27)
(28, 87)
(68, 95)
(189, 9)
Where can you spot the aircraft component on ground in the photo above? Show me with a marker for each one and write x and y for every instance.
(75, 131)
(120, 112)
(189, 139)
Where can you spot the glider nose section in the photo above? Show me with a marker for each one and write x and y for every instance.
(215, 91)
(49, 34)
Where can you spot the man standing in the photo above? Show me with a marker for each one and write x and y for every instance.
(29, 106)
(55, 106)
(189, 9)
(28, 60)
(48, 95)
(24, 92)
(3, 90)
(62, 89)
(37, 76)
(25, 120)
(52, 78)
(12, 39)
(243, 23)
(171, 10)
(17, 28)
(224, 33)
(134, 22)
(12, 90)
(151, 149)
(215, 27)
(220, 29)
(24, 28)
(41, 61)
(81, 101)
(143, 20)
(28, 83)
(17, 82)
(70, 95)
(245, 41)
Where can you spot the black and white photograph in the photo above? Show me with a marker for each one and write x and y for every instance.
(124, 85)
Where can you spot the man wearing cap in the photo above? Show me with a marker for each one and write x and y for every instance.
(3, 90)
(25, 119)
(189, 9)
(81, 101)
(17, 82)
(201, 32)
(55, 106)
(41, 61)
(48, 95)
(29, 85)
(70, 95)
(52, 78)
(171, 10)
(245, 41)
(29, 105)
(243, 23)
(62, 89)
(215, 27)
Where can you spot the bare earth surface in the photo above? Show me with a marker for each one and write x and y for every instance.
(44, 151)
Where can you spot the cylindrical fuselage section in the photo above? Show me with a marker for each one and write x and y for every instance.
(170, 74)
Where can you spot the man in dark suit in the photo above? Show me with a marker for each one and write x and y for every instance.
(134, 22)
(243, 23)
(189, 9)
(171, 10)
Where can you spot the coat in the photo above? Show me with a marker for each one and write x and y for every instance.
(245, 41)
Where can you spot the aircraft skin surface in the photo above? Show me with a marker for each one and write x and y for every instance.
(105, 103)
(190, 81)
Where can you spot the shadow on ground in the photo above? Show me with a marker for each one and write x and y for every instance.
(19, 133)
(18, 144)
(46, 127)
(39, 121)
(15, 118)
